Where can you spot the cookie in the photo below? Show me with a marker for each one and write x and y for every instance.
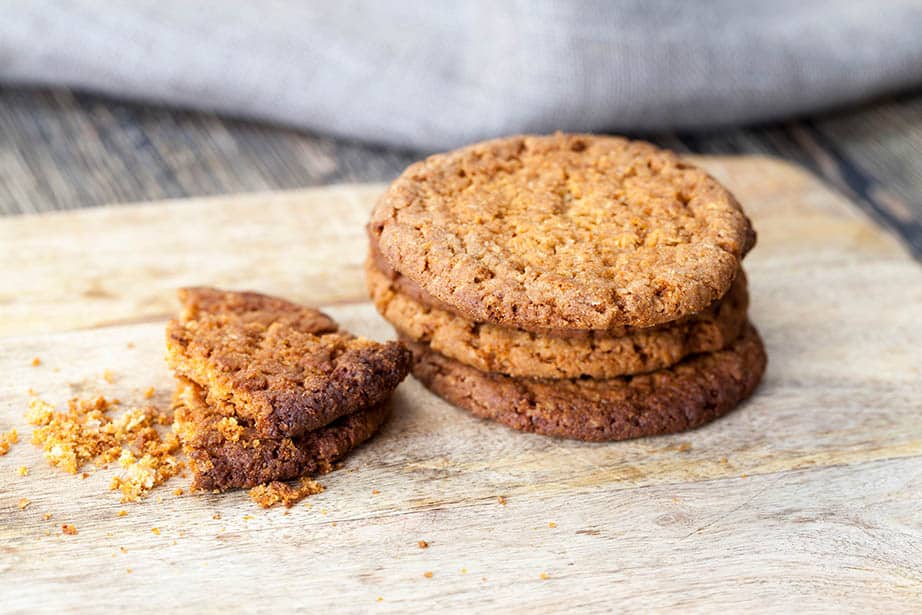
(407, 287)
(285, 369)
(687, 395)
(225, 452)
(596, 354)
(563, 232)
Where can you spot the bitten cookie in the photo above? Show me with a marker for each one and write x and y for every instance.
(563, 232)
(687, 395)
(596, 354)
(283, 368)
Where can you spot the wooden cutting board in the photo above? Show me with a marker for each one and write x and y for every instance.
(806, 497)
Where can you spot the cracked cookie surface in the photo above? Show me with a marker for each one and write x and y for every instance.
(563, 232)
(284, 368)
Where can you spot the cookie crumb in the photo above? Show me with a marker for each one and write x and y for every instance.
(551, 524)
(7, 440)
(123, 549)
(128, 570)
(123, 513)
(277, 492)
(427, 574)
(544, 576)
(46, 516)
(375, 492)
(148, 392)
(178, 491)
(501, 499)
(32, 392)
(153, 468)
(36, 362)
(69, 529)
(464, 571)
(155, 530)
(216, 516)
(423, 544)
(23, 503)
(23, 471)
(379, 599)
(248, 517)
(744, 476)
(231, 429)
(108, 375)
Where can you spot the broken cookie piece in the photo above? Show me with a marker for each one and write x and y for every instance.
(284, 368)
(221, 459)
(272, 391)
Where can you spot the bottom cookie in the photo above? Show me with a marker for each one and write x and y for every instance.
(224, 453)
(687, 395)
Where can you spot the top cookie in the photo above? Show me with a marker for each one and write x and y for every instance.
(563, 232)
(281, 368)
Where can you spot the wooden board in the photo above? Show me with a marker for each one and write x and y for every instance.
(807, 497)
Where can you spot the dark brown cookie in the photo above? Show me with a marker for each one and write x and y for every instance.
(284, 368)
(563, 232)
(685, 396)
(225, 452)
(596, 354)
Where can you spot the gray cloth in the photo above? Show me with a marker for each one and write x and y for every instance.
(437, 74)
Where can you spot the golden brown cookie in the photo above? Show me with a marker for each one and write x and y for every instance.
(226, 452)
(407, 287)
(687, 395)
(563, 232)
(284, 369)
(596, 354)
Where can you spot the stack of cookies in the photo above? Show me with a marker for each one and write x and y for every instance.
(269, 390)
(576, 286)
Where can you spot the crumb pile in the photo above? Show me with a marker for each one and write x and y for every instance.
(577, 286)
(270, 391)
(88, 432)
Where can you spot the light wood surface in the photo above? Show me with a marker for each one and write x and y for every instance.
(806, 498)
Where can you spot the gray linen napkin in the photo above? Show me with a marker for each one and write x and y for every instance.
(437, 74)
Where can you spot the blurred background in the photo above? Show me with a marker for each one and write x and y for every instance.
(110, 102)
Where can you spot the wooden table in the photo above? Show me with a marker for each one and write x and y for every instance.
(60, 150)
(806, 498)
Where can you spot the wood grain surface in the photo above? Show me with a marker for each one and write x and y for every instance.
(65, 150)
(805, 498)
